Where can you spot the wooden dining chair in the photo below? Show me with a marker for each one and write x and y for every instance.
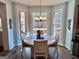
(25, 45)
(40, 49)
(55, 45)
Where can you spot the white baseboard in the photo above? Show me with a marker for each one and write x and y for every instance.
(64, 46)
(18, 44)
(61, 44)
(67, 47)
(12, 47)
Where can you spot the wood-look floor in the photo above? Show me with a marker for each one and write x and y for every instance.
(63, 54)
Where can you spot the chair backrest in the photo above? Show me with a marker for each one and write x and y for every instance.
(57, 38)
(40, 46)
(22, 35)
(53, 40)
(23, 43)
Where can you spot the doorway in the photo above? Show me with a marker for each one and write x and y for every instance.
(3, 28)
(1, 44)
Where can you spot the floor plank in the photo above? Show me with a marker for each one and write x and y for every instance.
(63, 54)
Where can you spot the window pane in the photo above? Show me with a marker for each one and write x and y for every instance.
(39, 23)
(57, 21)
(23, 28)
(22, 21)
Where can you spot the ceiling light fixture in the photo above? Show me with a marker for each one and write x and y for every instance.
(40, 17)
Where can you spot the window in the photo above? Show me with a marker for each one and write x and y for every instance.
(57, 21)
(22, 21)
(39, 24)
(0, 25)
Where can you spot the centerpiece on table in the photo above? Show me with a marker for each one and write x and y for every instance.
(39, 34)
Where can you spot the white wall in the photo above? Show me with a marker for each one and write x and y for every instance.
(70, 15)
(9, 15)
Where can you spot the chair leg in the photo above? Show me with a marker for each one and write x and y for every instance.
(46, 56)
(34, 57)
(22, 49)
(22, 53)
(32, 52)
(56, 51)
(22, 56)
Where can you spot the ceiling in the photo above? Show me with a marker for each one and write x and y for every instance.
(37, 2)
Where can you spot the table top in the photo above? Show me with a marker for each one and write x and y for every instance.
(30, 39)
